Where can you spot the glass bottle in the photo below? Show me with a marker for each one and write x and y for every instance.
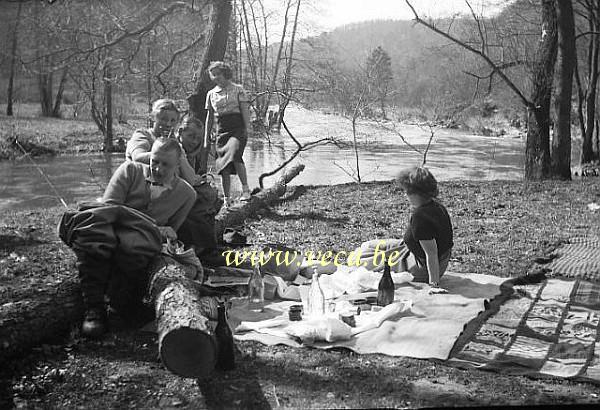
(316, 297)
(256, 290)
(385, 290)
(225, 345)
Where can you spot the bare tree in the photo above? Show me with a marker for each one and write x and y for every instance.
(537, 151)
(13, 59)
(565, 63)
(589, 11)
(216, 45)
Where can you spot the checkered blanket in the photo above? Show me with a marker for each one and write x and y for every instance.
(545, 328)
(580, 258)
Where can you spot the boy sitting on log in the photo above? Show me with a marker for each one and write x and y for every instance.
(116, 240)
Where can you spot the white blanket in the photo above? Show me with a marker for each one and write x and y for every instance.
(428, 329)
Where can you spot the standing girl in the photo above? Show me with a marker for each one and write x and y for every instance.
(228, 103)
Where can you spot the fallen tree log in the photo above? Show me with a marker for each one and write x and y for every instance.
(186, 341)
(183, 309)
(236, 214)
(50, 314)
(42, 317)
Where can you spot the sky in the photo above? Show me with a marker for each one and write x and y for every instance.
(334, 13)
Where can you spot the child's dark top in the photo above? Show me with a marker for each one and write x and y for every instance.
(429, 221)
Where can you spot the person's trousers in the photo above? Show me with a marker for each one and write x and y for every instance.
(124, 277)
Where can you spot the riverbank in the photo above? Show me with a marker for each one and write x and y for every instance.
(500, 227)
(57, 136)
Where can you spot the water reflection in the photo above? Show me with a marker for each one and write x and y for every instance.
(451, 156)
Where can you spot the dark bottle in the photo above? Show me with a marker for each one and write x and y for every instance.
(225, 346)
(385, 290)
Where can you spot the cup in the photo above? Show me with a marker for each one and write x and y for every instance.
(295, 313)
(348, 318)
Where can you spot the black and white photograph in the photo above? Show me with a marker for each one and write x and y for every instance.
(299, 204)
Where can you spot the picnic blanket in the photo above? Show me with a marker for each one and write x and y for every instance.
(428, 328)
(548, 328)
(580, 258)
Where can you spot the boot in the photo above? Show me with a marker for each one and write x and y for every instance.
(94, 323)
(94, 272)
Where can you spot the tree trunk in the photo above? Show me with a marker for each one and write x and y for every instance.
(183, 308)
(45, 86)
(149, 78)
(44, 316)
(287, 78)
(108, 114)
(13, 60)
(236, 215)
(537, 147)
(215, 50)
(589, 152)
(59, 94)
(566, 55)
(186, 342)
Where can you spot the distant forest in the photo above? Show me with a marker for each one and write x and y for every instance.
(112, 58)
(428, 72)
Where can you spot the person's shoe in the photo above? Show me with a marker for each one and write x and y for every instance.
(94, 323)
(226, 202)
(246, 195)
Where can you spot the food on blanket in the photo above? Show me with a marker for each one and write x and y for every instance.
(345, 306)
(246, 326)
(256, 290)
(322, 329)
(436, 290)
(385, 289)
(375, 320)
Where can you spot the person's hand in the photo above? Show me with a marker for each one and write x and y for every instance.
(248, 131)
(167, 233)
(199, 180)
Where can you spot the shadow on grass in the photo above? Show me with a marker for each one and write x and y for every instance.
(303, 216)
(304, 378)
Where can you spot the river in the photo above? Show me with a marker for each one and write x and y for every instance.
(452, 155)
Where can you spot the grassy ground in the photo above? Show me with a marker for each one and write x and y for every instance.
(499, 228)
(55, 135)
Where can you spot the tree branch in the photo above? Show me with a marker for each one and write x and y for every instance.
(174, 57)
(483, 55)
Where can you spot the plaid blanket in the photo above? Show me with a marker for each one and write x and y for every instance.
(537, 329)
(580, 258)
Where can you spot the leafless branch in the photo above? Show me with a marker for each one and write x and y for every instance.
(299, 148)
(466, 46)
(174, 56)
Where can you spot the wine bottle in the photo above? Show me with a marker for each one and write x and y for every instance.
(225, 345)
(316, 297)
(385, 290)
(256, 290)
